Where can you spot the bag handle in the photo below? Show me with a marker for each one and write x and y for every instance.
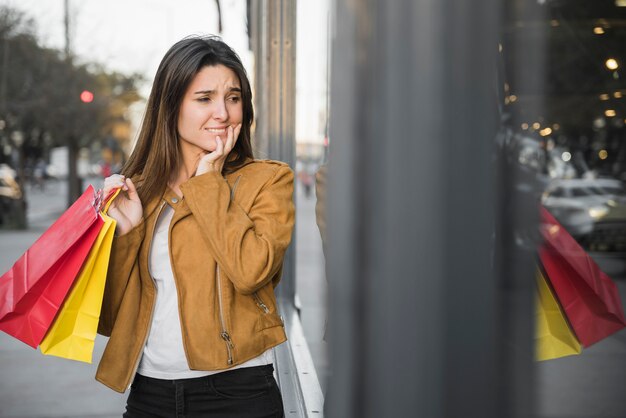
(109, 199)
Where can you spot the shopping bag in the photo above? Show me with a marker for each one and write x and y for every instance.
(73, 332)
(32, 291)
(553, 335)
(46, 251)
(588, 296)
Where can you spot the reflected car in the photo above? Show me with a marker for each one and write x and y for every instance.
(579, 204)
(594, 212)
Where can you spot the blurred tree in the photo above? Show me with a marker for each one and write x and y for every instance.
(40, 97)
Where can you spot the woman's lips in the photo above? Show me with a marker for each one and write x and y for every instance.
(216, 130)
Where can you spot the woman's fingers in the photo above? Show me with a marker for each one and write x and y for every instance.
(233, 134)
(236, 134)
(219, 150)
(229, 139)
(112, 183)
(114, 179)
(132, 191)
(214, 161)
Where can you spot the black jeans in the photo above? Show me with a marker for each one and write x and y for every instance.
(249, 392)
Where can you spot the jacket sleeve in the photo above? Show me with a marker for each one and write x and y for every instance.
(249, 247)
(123, 263)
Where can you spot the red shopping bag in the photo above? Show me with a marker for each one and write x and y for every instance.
(590, 299)
(32, 291)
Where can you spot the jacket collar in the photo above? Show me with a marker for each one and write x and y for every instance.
(169, 194)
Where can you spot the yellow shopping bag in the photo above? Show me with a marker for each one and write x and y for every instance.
(553, 335)
(73, 332)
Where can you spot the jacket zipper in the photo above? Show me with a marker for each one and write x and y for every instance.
(145, 340)
(224, 334)
(260, 303)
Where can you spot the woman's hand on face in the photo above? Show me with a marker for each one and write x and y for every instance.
(126, 210)
(214, 161)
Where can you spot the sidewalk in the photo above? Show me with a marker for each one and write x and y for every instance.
(44, 206)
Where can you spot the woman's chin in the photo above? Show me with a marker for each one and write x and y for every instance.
(209, 146)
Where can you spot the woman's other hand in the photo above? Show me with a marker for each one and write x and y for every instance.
(214, 161)
(126, 209)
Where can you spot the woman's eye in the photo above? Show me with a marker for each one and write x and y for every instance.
(235, 99)
(203, 99)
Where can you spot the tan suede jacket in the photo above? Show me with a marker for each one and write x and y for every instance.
(227, 240)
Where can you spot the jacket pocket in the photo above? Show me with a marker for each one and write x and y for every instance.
(269, 321)
(259, 302)
(268, 317)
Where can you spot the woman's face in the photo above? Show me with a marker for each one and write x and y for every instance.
(210, 105)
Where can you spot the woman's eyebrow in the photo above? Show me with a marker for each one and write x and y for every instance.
(210, 92)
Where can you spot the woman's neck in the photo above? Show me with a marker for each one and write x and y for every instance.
(187, 168)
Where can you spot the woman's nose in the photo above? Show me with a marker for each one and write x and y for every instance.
(220, 112)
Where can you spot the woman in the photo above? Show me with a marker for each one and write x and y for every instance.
(202, 229)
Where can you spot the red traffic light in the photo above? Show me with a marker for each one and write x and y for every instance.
(86, 96)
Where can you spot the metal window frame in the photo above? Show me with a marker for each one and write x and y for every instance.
(421, 322)
(273, 29)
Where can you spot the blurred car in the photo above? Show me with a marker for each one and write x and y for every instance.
(10, 192)
(594, 212)
(581, 203)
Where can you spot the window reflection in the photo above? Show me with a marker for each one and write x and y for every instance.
(567, 131)
(564, 134)
(311, 155)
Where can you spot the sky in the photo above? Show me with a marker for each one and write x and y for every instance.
(131, 36)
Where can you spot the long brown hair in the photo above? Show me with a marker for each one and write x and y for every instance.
(157, 157)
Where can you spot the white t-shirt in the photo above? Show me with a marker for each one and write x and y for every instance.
(164, 355)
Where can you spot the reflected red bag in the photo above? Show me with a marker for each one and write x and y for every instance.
(589, 298)
(32, 291)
